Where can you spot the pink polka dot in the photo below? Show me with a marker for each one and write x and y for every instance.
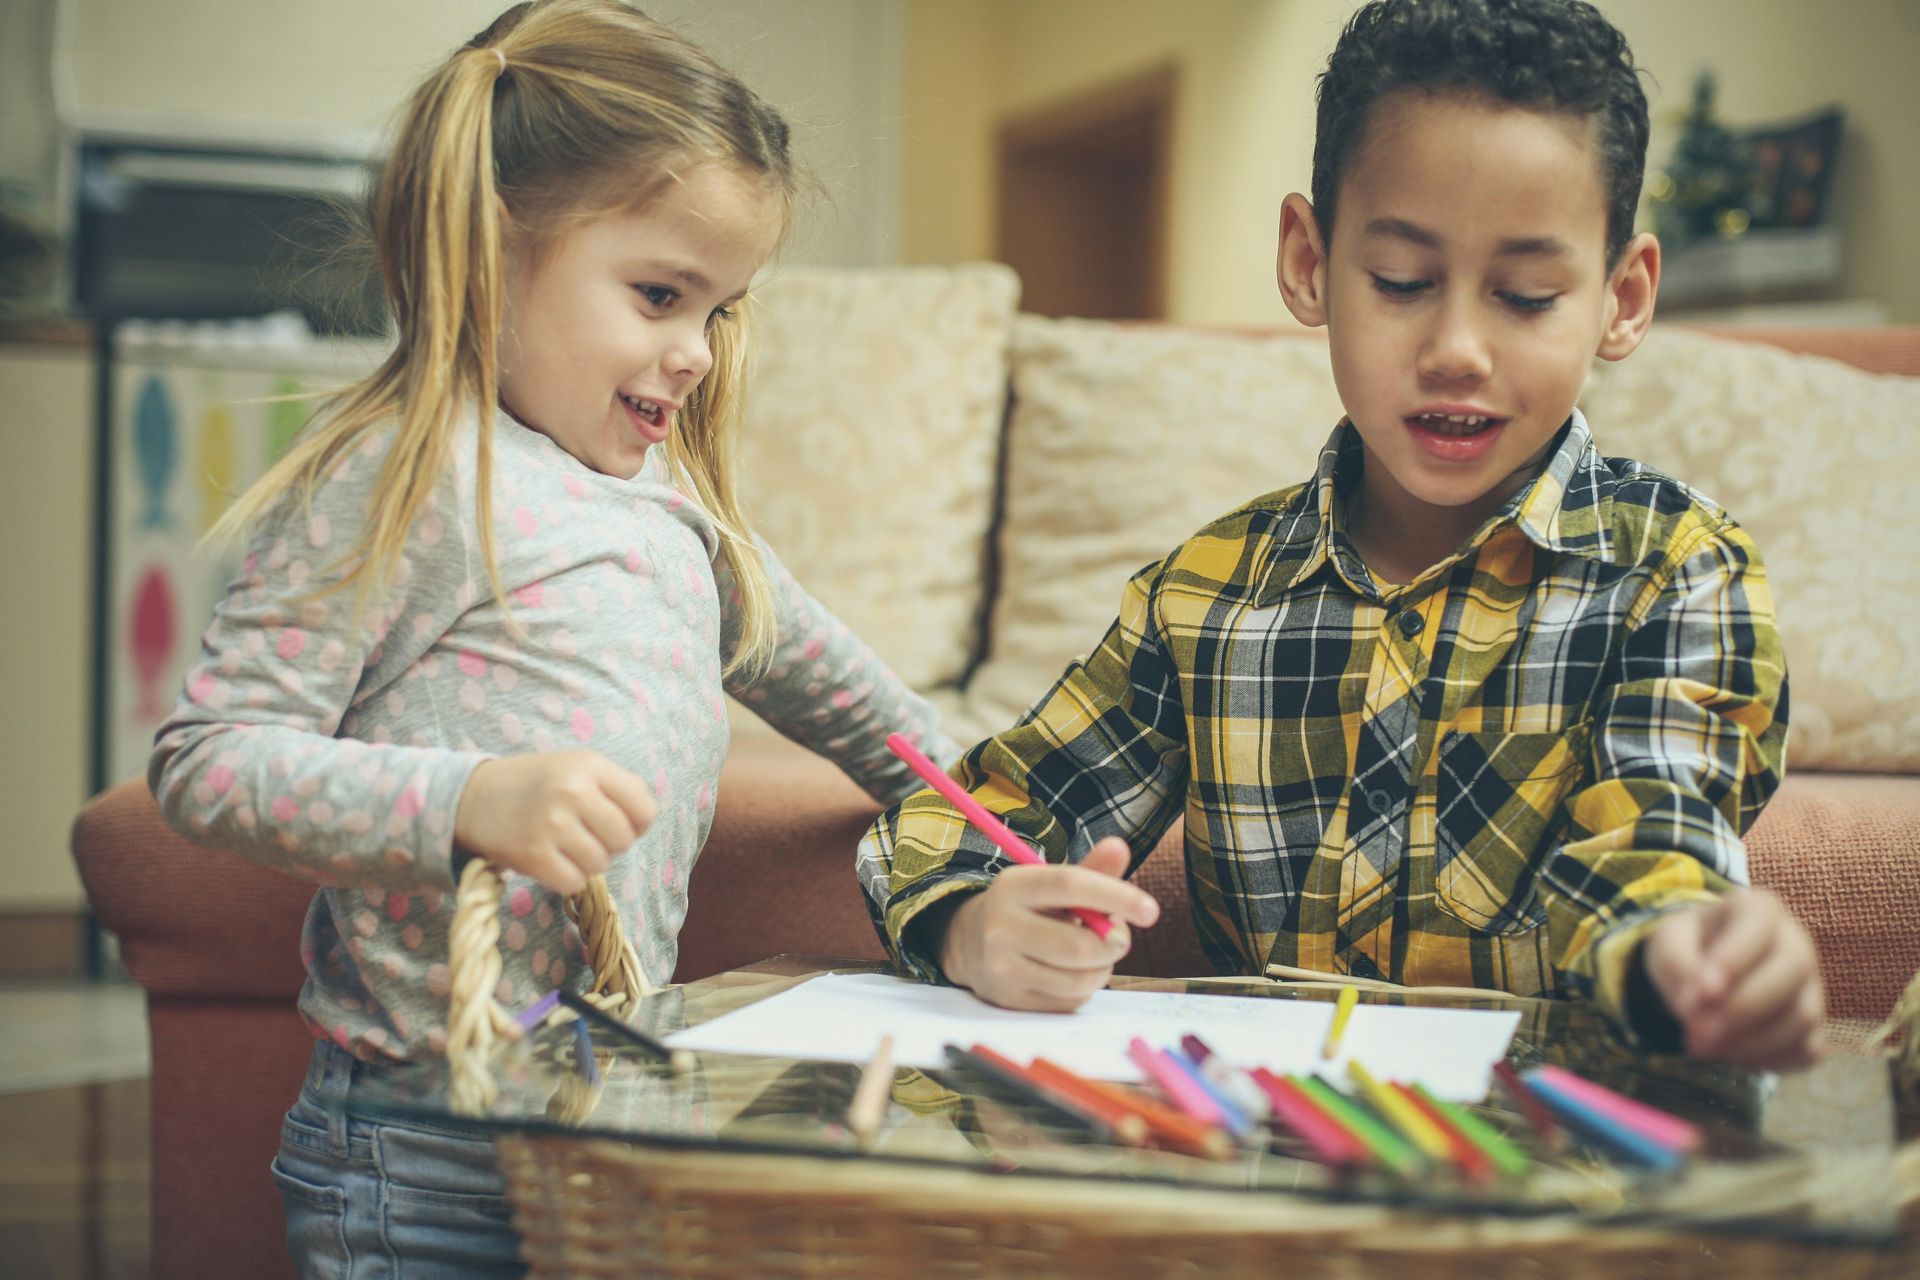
(472, 697)
(524, 521)
(704, 800)
(842, 699)
(409, 803)
(814, 649)
(638, 564)
(511, 729)
(520, 902)
(667, 873)
(285, 809)
(530, 595)
(200, 688)
(430, 530)
(340, 1036)
(676, 500)
(515, 936)
(356, 821)
(582, 724)
(397, 904)
(472, 664)
(219, 779)
(574, 487)
(319, 531)
(539, 960)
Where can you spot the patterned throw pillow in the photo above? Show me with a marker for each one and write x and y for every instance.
(1818, 461)
(871, 447)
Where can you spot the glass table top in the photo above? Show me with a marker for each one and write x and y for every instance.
(1808, 1156)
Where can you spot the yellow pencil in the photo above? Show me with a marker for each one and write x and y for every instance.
(1403, 1116)
(1342, 1010)
(870, 1096)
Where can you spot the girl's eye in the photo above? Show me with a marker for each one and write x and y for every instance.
(1530, 305)
(719, 314)
(1399, 288)
(658, 295)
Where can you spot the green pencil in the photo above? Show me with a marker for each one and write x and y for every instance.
(1389, 1148)
(1506, 1157)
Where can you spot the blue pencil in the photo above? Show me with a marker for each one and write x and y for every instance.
(1232, 1113)
(1584, 1120)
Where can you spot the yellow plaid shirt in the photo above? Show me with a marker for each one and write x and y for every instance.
(1499, 775)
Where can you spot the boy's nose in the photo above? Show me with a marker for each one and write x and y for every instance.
(1456, 350)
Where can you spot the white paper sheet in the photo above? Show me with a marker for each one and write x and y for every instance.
(841, 1017)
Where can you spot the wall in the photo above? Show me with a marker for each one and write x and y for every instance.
(1245, 137)
(339, 69)
(46, 437)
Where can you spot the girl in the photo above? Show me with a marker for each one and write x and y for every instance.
(497, 590)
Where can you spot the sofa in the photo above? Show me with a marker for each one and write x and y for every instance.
(968, 487)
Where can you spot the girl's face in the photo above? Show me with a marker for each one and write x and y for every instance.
(607, 323)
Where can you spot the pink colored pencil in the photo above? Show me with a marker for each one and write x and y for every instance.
(1331, 1143)
(976, 813)
(1649, 1122)
(1174, 1082)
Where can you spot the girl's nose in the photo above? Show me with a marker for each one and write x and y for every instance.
(690, 355)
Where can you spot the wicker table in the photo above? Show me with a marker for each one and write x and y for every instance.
(741, 1169)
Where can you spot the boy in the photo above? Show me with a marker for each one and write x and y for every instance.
(1472, 706)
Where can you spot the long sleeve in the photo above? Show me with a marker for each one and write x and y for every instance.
(827, 690)
(249, 760)
(1104, 753)
(1686, 748)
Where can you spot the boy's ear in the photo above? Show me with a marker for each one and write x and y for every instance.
(1302, 265)
(1631, 287)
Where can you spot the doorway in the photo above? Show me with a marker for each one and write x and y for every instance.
(1083, 200)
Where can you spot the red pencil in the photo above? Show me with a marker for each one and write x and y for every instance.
(1544, 1125)
(976, 813)
(1169, 1128)
(1329, 1140)
(1466, 1153)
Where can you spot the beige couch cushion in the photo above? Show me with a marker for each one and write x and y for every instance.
(1123, 442)
(1818, 461)
(871, 447)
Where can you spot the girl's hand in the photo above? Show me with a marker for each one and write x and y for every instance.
(1741, 978)
(1010, 945)
(559, 816)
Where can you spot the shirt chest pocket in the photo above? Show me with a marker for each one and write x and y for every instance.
(1498, 796)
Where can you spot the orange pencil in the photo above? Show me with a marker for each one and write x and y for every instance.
(1126, 1125)
(1167, 1127)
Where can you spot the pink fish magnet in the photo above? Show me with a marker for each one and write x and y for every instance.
(151, 631)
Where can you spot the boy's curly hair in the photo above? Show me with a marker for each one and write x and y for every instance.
(1553, 55)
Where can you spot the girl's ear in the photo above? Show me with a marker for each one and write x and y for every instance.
(1631, 287)
(1302, 264)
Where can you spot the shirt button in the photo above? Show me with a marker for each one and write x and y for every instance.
(1411, 624)
(1379, 801)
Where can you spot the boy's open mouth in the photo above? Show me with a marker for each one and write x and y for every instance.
(1454, 424)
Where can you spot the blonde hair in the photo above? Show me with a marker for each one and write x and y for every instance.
(549, 112)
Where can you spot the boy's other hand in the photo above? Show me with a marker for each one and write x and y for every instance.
(559, 816)
(1741, 978)
(1013, 944)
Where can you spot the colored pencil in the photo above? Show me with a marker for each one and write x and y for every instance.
(677, 1060)
(1067, 1100)
(1664, 1128)
(995, 830)
(1342, 1010)
(1175, 1083)
(1331, 1143)
(583, 1051)
(1406, 1120)
(1127, 1125)
(1389, 1148)
(1231, 1080)
(1237, 1122)
(868, 1109)
(1169, 1128)
(1472, 1161)
(1506, 1157)
(1604, 1129)
(1537, 1116)
(532, 1015)
(1012, 1080)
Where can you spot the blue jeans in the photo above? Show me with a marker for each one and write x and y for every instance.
(387, 1201)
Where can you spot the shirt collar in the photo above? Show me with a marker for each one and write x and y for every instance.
(1565, 509)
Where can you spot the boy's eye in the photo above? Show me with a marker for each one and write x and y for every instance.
(1522, 302)
(658, 295)
(1398, 288)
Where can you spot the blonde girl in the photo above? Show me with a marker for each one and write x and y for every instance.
(497, 591)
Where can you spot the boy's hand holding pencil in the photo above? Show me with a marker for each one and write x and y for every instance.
(1740, 977)
(1016, 943)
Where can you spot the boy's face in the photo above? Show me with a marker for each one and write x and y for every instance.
(1465, 293)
